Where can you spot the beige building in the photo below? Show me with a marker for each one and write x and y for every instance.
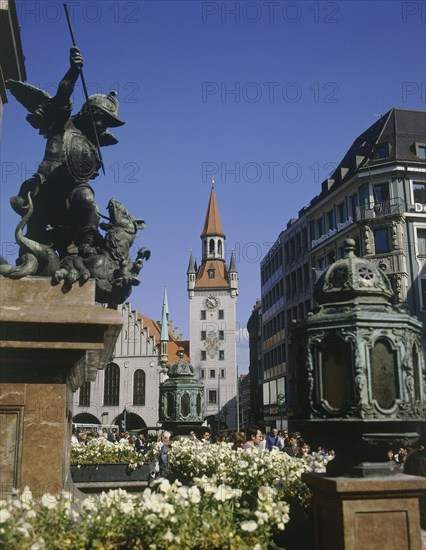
(377, 196)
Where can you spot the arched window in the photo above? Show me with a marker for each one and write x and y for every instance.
(211, 246)
(185, 405)
(417, 374)
(139, 387)
(384, 374)
(84, 397)
(219, 248)
(112, 384)
(170, 405)
(336, 372)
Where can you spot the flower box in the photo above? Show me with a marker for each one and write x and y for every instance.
(110, 472)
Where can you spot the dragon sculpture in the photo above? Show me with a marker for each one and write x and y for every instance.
(109, 264)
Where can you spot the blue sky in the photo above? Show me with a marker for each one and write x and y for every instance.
(265, 96)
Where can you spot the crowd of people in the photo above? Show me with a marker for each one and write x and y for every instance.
(405, 457)
(141, 441)
(291, 443)
(252, 437)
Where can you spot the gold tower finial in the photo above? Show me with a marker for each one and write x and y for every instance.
(212, 182)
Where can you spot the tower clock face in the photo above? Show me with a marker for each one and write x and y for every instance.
(211, 302)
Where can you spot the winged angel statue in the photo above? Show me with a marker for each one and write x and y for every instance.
(57, 204)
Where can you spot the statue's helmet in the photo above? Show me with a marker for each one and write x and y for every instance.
(108, 104)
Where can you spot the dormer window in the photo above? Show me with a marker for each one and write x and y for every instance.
(381, 151)
(421, 150)
(210, 272)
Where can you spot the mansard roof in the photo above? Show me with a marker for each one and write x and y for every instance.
(397, 132)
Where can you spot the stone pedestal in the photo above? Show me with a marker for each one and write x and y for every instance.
(354, 514)
(51, 343)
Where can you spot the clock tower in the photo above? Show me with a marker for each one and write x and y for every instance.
(213, 290)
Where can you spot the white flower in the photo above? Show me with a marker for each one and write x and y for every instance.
(249, 526)
(169, 536)
(89, 505)
(194, 495)
(164, 486)
(39, 545)
(224, 492)
(126, 507)
(27, 498)
(4, 515)
(266, 493)
(24, 530)
(49, 501)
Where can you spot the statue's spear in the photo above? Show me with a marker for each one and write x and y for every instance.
(86, 95)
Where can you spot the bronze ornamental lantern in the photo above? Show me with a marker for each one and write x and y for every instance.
(181, 399)
(357, 380)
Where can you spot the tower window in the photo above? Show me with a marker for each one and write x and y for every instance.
(221, 355)
(219, 248)
(203, 335)
(212, 373)
(211, 246)
(202, 373)
(203, 355)
(221, 335)
(220, 314)
(203, 315)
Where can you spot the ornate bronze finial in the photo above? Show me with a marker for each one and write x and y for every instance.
(212, 182)
(349, 246)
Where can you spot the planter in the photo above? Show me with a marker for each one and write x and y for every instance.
(110, 472)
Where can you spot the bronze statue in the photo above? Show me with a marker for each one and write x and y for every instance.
(62, 196)
(57, 203)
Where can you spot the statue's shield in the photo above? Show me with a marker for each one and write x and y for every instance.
(80, 156)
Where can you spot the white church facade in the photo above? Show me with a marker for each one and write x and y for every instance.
(126, 392)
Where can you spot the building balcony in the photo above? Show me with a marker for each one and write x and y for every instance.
(392, 207)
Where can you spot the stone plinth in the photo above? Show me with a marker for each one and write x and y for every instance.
(367, 514)
(51, 343)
